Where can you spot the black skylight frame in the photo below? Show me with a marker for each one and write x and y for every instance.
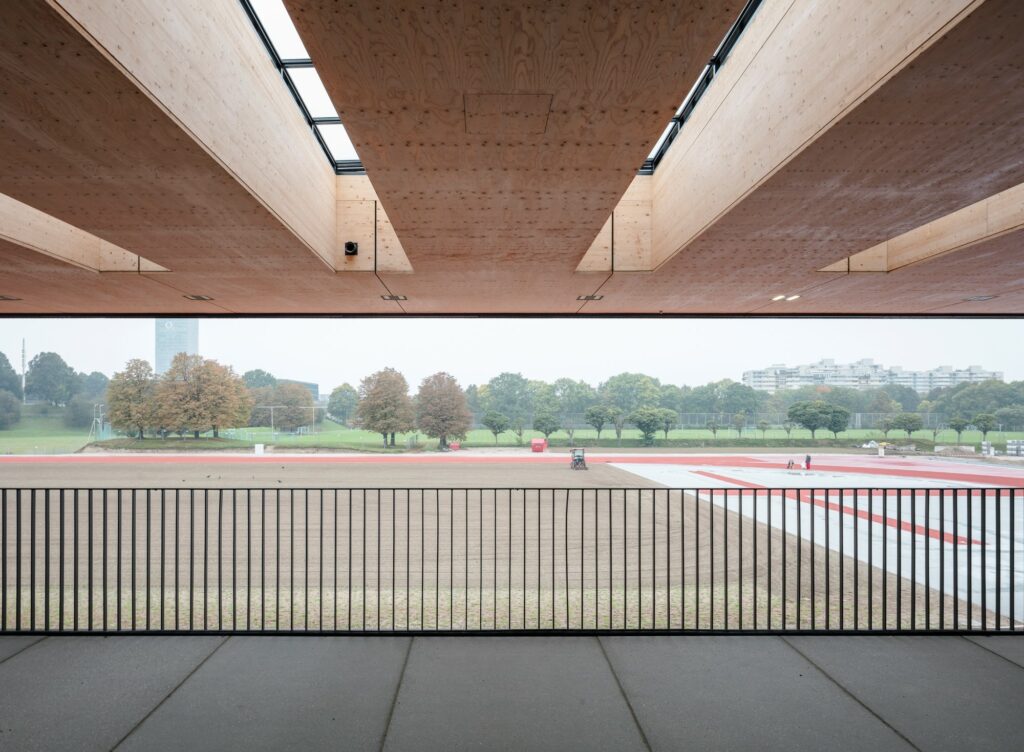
(710, 71)
(355, 166)
(284, 65)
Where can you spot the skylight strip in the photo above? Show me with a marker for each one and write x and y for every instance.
(700, 86)
(275, 28)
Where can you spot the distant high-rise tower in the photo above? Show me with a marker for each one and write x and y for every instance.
(175, 336)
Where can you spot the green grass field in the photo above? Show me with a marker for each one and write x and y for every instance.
(332, 435)
(42, 431)
(39, 433)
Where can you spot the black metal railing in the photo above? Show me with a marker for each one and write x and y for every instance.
(511, 560)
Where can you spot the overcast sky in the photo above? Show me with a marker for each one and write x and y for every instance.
(679, 351)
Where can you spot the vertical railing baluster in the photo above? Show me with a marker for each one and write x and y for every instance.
(192, 559)
(799, 558)
(106, 596)
(871, 558)
(913, 560)
(88, 521)
(984, 559)
(754, 542)
(999, 558)
(856, 559)
(956, 560)
(134, 622)
(3, 560)
(942, 558)
(60, 604)
(899, 559)
(970, 558)
(119, 558)
(928, 560)
(262, 560)
(696, 558)
(785, 549)
(305, 577)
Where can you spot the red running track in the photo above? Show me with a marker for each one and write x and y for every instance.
(849, 464)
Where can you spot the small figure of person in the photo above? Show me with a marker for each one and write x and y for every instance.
(807, 462)
(789, 465)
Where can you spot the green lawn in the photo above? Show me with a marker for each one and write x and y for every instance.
(39, 433)
(333, 435)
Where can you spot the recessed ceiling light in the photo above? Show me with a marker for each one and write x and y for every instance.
(779, 297)
(589, 297)
(979, 298)
(792, 297)
(8, 297)
(393, 297)
(197, 297)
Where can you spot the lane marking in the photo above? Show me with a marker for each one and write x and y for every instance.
(894, 522)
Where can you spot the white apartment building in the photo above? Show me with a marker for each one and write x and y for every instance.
(863, 374)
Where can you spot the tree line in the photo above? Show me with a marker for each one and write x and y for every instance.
(48, 379)
(509, 402)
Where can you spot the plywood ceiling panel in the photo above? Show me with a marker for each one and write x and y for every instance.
(499, 138)
(945, 132)
(81, 142)
(499, 132)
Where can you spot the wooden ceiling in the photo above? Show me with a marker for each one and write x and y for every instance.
(504, 133)
(943, 133)
(81, 142)
(499, 137)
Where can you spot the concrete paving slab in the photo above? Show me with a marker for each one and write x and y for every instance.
(942, 693)
(86, 693)
(1011, 647)
(10, 646)
(739, 693)
(510, 693)
(276, 693)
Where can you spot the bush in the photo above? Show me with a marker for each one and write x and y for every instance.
(79, 413)
(10, 409)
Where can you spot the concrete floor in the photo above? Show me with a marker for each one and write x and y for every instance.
(522, 693)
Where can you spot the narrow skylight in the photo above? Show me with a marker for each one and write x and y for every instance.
(314, 95)
(661, 139)
(338, 142)
(275, 28)
(699, 87)
(279, 27)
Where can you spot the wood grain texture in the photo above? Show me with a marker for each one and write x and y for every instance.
(202, 63)
(943, 133)
(802, 65)
(81, 142)
(498, 223)
(984, 220)
(402, 75)
(39, 232)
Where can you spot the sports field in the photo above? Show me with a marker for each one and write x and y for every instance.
(478, 541)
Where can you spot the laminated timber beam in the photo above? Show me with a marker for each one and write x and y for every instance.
(801, 67)
(200, 62)
(32, 229)
(934, 125)
(985, 220)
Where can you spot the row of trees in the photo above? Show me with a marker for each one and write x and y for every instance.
(819, 414)
(50, 380)
(511, 402)
(194, 395)
(439, 408)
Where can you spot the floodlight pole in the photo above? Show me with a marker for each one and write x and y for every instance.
(272, 408)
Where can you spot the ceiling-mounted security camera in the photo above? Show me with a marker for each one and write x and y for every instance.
(351, 248)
